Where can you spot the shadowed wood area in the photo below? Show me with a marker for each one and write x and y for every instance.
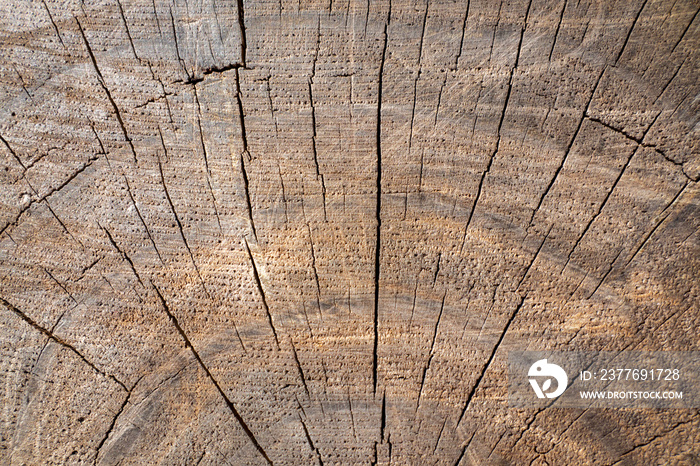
(272, 232)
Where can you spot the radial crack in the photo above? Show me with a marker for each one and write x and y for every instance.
(230, 405)
(464, 450)
(261, 290)
(652, 439)
(61, 285)
(245, 153)
(556, 33)
(420, 70)
(48, 194)
(461, 40)
(629, 33)
(639, 142)
(301, 371)
(58, 340)
(600, 208)
(313, 145)
(382, 419)
(488, 362)
(113, 423)
(660, 220)
(377, 246)
(12, 151)
(143, 222)
(313, 266)
(103, 84)
(310, 442)
(439, 102)
(123, 255)
(313, 121)
(126, 26)
(437, 269)
(432, 351)
(60, 39)
(534, 258)
(177, 46)
(439, 436)
(241, 25)
(568, 148)
(668, 83)
(206, 158)
(684, 32)
(498, 129)
(612, 266)
(179, 224)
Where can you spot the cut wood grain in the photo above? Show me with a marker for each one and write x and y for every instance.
(272, 232)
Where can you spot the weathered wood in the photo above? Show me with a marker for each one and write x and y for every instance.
(310, 232)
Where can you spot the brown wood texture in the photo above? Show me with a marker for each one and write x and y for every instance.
(262, 232)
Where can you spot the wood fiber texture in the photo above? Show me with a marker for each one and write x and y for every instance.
(262, 232)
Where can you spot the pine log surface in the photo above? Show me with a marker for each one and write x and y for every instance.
(293, 232)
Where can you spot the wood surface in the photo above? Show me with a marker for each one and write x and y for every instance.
(261, 232)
